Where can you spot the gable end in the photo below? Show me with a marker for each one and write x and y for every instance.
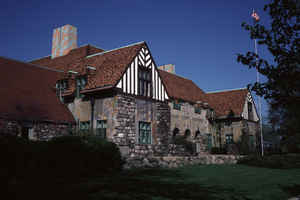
(130, 82)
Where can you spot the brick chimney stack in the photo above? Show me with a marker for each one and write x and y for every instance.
(64, 40)
(168, 68)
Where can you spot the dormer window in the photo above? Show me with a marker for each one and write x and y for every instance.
(197, 109)
(176, 105)
(61, 86)
(145, 82)
(81, 82)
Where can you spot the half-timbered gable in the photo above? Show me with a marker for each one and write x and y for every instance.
(141, 78)
(249, 109)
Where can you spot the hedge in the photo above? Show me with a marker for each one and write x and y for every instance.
(67, 156)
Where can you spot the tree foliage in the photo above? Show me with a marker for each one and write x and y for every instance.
(281, 39)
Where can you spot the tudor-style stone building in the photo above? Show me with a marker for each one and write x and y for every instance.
(123, 96)
(235, 115)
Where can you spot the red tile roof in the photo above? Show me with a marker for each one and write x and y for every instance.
(110, 65)
(224, 101)
(26, 93)
(182, 88)
(66, 62)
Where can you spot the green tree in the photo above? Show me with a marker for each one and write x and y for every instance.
(281, 39)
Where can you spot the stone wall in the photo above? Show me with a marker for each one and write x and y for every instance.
(129, 112)
(234, 128)
(81, 109)
(125, 122)
(124, 112)
(9, 126)
(36, 130)
(105, 109)
(179, 161)
(187, 119)
(46, 131)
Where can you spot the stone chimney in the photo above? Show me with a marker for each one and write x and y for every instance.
(64, 40)
(168, 68)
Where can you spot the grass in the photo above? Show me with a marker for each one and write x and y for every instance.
(276, 161)
(193, 182)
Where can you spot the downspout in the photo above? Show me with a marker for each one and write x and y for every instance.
(92, 114)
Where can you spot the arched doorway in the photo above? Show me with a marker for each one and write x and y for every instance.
(175, 132)
(197, 134)
(187, 133)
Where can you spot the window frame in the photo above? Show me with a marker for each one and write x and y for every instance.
(101, 131)
(87, 126)
(145, 82)
(82, 80)
(176, 105)
(250, 110)
(147, 132)
(61, 86)
(229, 138)
(209, 140)
(197, 110)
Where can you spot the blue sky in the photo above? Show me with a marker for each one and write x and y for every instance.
(201, 38)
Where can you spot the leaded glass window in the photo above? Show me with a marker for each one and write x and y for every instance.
(145, 136)
(250, 112)
(84, 127)
(209, 141)
(101, 128)
(229, 138)
(62, 85)
(198, 110)
(176, 105)
(145, 82)
(80, 84)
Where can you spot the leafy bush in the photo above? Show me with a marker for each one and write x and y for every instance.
(70, 156)
(12, 154)
(181, 140)
(286, 161)
(217, 150)
(291, 144)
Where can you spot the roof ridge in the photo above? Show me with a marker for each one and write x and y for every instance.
(66, 54)
(175, 75)
(100, 53)
(94, 46)
(33, 65)
(226, 90)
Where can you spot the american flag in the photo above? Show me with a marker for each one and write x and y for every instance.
(255, 16)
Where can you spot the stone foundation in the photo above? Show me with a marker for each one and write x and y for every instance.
(179, 161)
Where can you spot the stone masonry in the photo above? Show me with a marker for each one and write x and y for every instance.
(36, 130)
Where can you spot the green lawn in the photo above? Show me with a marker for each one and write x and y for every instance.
(194, 182)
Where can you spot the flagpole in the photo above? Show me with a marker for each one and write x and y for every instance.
(259, 98)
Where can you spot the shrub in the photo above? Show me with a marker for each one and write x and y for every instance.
(286, 161)
(106, 154)
(12, 155)
(218, 150)
(291, 144)
(70, 156)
